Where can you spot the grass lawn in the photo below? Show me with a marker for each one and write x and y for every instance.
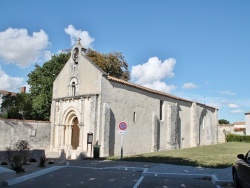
(212, 156)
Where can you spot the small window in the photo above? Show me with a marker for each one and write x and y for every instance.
(134, 117)
(73, 88)
(161, 110)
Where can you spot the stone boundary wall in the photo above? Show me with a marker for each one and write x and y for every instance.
(223, 130)
(37, 133)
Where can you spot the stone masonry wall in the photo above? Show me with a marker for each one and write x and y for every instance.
(223, 130)
(37, 133)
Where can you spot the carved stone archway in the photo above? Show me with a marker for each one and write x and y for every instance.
(72, 130)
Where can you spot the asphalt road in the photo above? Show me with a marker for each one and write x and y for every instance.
(98, 178)
(110, 175)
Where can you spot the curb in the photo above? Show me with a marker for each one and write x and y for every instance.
(32, 175)
(218, 183)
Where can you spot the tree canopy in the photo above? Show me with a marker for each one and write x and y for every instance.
(223, 121)
(112, 63)
(17, 106)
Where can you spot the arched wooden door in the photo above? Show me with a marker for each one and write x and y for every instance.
(75, 134)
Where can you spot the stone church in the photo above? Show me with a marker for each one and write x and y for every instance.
(88, 106)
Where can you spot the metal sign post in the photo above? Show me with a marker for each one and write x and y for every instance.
(122, 127)
(122, 146)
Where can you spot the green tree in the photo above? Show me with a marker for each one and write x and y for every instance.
(223, 121)
(41, 82)
(17, 106)
(112, 63)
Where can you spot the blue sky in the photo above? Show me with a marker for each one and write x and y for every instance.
(198, 50)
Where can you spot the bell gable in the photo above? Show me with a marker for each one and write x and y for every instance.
(79, 76)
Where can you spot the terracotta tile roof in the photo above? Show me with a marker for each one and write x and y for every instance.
(226, 125)
(147, 89)
(239, 123)
(6, 92)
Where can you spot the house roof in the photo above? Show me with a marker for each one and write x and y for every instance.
(6, 92)
(148, 89)
(239, 123)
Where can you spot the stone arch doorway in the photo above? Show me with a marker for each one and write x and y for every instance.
(75, 134)
(72, 131)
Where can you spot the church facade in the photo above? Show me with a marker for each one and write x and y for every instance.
(88, 106)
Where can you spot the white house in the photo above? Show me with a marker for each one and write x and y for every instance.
(247, 122)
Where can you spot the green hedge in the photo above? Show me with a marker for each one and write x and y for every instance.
(237, 138)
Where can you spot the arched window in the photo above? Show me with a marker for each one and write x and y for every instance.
(73, 88)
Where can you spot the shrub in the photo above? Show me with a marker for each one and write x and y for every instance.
(42, 161)
(19, 155)
(237, 138)
(16, 163)
(23, 148)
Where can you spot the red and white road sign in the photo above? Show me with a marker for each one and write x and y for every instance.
(122, 125)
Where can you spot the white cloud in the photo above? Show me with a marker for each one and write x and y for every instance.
(227, 93)
(231, 105)
(18, 47)
(152, 72)
(237, 111)
(74, 34)
(189, 86)
(160, 86)
(9, 83)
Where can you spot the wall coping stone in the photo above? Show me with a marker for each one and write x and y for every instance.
(27, 121)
